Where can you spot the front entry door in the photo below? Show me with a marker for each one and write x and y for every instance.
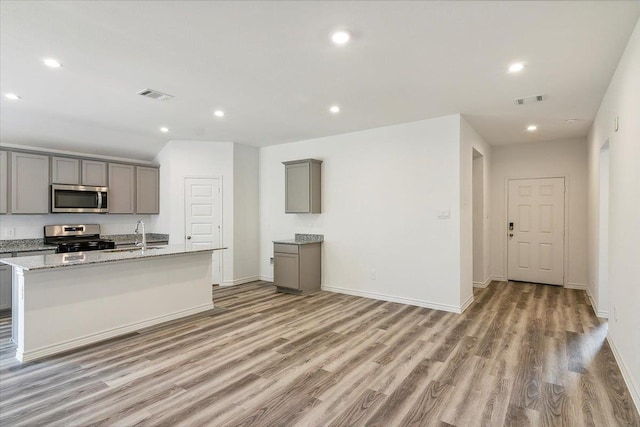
(535, 230)
(203, 220)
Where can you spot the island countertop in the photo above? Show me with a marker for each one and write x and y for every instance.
(52, 261)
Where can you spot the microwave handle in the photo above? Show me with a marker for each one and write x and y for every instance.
(99, 199)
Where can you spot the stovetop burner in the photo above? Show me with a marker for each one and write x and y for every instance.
(76, 238)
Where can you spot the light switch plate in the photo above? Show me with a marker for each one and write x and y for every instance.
(444, 214)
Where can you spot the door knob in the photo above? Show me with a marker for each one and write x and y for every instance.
(188, 237)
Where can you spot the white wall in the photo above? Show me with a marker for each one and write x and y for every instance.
(470, 140)
(32, 226)
(621, 100)
(195, 159)
(381, 192)
(539, 160)
(245, 213)
(237, 166)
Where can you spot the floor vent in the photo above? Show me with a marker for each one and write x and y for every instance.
(530, 99)
(154, 94)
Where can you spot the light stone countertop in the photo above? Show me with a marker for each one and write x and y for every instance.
(32, 245)
(51, 261)
(302, 239)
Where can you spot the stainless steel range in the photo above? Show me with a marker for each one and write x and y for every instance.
(76, 238)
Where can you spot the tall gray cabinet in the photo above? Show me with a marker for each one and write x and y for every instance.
(4, 182)
(302, 186)
(122, 188)
(147, 190)
(29, 183)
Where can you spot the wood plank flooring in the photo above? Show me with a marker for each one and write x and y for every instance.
(522, 354)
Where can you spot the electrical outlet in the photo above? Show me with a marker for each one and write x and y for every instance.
(10, 232)
(372, 276)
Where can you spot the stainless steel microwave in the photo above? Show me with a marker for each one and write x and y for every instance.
(79, 199)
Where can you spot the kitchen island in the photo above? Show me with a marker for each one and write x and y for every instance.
(65, 301)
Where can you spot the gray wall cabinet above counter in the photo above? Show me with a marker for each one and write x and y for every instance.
(26, 176)
(302, 186)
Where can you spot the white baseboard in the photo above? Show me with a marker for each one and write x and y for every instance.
(499, 278)
(483, 284)
(467, 303)
(105, 335)
(240, 281)
(599, 313)
(633, 390)
(578, 286)
(265, 278)
(401, 300)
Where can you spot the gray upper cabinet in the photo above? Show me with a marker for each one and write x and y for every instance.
(29, 183)
(302, 186)
(122, 189)
(147, 190)
(94, 173)
(4, 182)
(65, 170)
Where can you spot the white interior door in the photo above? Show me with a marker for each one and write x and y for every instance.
(535, 230)
(203, 220)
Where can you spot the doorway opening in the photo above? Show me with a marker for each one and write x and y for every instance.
(477, 183)
(602, 285)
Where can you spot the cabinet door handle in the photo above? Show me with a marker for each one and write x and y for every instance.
(188, 237)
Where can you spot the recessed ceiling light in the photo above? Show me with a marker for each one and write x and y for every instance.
(334, 109)
(218, 113)
(52, 63)
(514, 68)
(164, 129)
(12, 96)
(532, 128)
(341, 37)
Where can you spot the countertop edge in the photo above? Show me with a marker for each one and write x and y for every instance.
(133, 256)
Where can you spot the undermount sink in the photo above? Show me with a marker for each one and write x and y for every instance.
(130, 249)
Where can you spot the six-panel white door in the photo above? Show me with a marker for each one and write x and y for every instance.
(203, 220)
(535, 230)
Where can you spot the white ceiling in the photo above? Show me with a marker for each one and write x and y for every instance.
(273, 69)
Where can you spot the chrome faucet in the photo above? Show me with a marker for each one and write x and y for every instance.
(144, 235)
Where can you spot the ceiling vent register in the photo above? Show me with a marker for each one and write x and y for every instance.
(154, 94)
(530, 99)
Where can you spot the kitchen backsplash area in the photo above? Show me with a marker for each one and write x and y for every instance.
(32, 226)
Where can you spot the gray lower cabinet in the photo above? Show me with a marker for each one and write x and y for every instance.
(147, 190)
(29, 183)
(297, 268)
(5, 283)
(65, 170)
(94, 173)
(302, 186)
(4, 182)
(122, 188)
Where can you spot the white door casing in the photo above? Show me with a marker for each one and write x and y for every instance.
(535, 245)
(203, 219)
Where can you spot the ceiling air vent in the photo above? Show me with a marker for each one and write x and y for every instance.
(154, 94)
(530, 99)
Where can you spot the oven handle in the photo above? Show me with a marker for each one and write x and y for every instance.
(99, 199)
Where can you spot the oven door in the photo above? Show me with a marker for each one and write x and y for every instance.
(79, 199)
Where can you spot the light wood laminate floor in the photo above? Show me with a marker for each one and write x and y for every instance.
(522, 354)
